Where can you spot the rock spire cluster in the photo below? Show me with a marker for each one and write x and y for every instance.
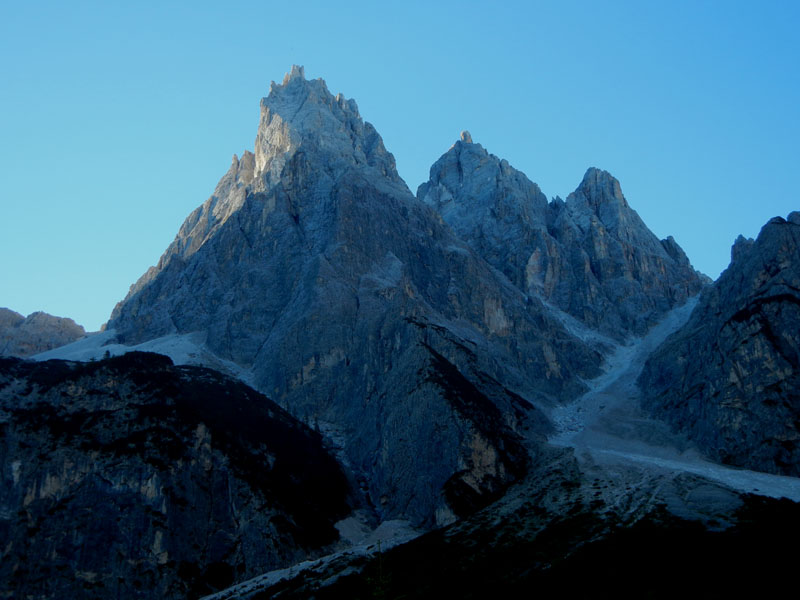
(418, 362)
(355, 307)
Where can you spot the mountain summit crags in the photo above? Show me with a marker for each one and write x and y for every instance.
(354, 306)
(541, 391)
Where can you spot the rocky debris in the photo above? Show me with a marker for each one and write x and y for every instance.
(357, 309)
(730, 377)
(131, 478)
(580, 554)
(38, 332)
(592, 256)
(576, 532)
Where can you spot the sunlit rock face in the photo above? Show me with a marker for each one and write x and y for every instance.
(355, 307)
(38, 332)
(592, 256)
(730, 377)
(129, 477)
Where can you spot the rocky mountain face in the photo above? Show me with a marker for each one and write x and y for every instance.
(131, 478)
(357, 309)
(592, 256)
(38, 332)
(464, 359)
(730, 377)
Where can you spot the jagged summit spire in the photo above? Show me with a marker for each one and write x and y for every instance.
(295, 84)
(297, 71)
(301, 112)
(591, 255)
(295, 80)
(466, 137)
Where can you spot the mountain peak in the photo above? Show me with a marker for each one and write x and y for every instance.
(507, 220)
(297, 71)
(301, 112)
(599, 186)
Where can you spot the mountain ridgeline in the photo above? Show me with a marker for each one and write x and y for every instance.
(402, 331)
(592, 256)
(418, 362)
(38, 332)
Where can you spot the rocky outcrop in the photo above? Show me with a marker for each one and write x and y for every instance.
(730, 377)
(38, 332)
(592, 256)
(132, 478)
(314, 267)
(575, 532)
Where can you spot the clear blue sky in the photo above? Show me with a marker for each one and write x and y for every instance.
(117, 119)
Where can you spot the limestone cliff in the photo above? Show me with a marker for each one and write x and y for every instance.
(730, 377)
(592, 256)
(357, 309)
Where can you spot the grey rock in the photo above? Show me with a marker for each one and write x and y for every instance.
(356, 308)
(730, 377)
(132, 478)
(741, 247)
(38, 332)
(592, 256)
(9, 318)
